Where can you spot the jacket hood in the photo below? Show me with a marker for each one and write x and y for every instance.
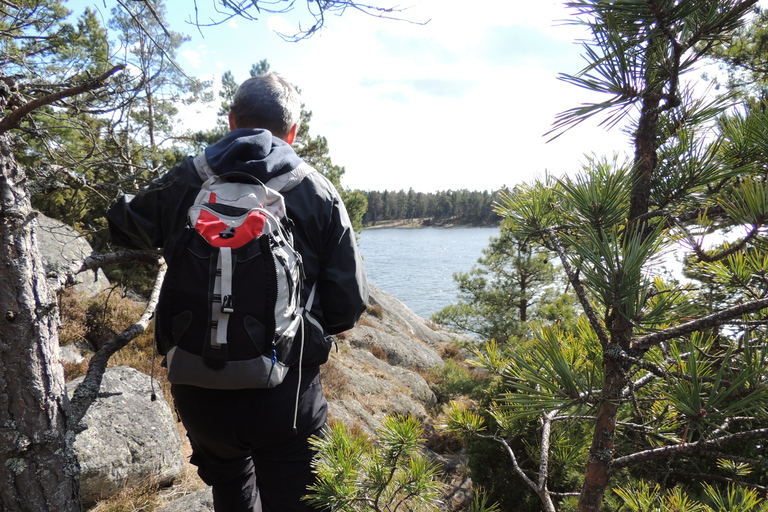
(252, 151)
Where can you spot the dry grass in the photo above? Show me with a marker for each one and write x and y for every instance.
(442, 441)
(335, 380)
(451, 351)
(364, 321)
(375, 310)
(149, 496)
(378, 352)
(109, 314)
(134, 499)
(73, 319)
(74, 370)
(99, 320)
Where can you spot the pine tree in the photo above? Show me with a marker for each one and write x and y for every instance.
(671, 392)
(514, 283)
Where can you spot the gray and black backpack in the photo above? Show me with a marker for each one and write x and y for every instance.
(230, 314)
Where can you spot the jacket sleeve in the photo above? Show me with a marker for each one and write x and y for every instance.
(342, 282)
(326, 240)
(134, 221)
(148, 219)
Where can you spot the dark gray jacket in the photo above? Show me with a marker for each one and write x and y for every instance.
(323, 233)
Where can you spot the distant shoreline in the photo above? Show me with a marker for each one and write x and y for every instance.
(426, 223)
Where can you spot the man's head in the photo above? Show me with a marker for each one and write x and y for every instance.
(269, 102)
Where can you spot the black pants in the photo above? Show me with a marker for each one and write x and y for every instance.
(244, 445)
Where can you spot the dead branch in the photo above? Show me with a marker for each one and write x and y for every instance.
(539, 488)
(87, 391)
(97, 261)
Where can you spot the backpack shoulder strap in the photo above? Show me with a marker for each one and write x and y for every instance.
(204, 171)
(289, 180)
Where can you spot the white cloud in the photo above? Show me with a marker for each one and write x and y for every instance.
(461, 102)
(193, 57)
(405, 105)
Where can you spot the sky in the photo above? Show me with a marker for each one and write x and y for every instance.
(458, 96)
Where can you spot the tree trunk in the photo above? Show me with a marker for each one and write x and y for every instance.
(38, 467)
(597, 475)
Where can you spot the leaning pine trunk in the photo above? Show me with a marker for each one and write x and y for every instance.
(38, 468)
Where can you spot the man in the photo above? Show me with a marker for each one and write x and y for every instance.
(243, 440)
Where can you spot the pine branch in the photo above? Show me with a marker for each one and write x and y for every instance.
(710, 258)
(658, 371)
(15, 117)
(698, 448)
(86, 392)
(715, 319)
(718, 25)
(589, 311)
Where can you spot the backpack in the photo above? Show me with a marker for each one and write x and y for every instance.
(230, 313)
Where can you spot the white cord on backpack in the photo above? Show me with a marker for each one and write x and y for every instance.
(307, 307)
(298, 386)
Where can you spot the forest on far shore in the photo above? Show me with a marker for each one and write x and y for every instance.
(462, 207)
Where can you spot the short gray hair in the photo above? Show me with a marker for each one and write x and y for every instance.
(267, 101)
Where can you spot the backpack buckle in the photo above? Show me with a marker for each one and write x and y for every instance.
(227, 233)
(227, 304)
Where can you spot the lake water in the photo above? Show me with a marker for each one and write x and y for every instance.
(416, 265)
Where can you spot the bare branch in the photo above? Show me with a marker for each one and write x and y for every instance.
(699, 448)
(546, 432)
(318, 11)
(706, 322)
(87, 391)
(159, 20)
(539, 488)
(149, 34)
(96, 261)
(709, 258)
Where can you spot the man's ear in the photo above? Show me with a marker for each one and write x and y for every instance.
(292, 134)
(232, 125)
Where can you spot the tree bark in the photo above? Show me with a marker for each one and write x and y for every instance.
(597, 473)
(598, 470)
(39, 471)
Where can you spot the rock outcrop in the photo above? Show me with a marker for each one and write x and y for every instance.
(63, 250)
(199, 501)
(379, 366)
(129, 438)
